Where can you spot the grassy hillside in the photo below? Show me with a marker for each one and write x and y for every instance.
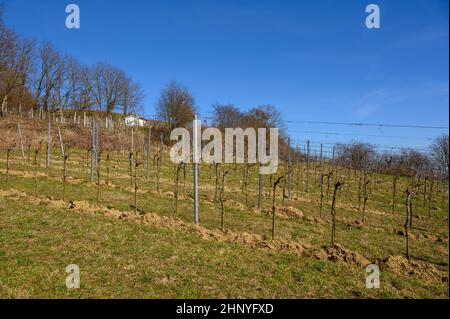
(156, 252)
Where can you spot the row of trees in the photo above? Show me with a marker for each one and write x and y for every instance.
(37, 76)
(176, 107)
(408, 162)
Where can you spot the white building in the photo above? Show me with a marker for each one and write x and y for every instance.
(134, 120)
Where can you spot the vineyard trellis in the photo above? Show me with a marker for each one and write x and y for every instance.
(368, 180)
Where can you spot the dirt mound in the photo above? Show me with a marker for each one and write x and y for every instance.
(405, 268)
(236, 205)
(24, 174)
(377, 212)
(226, 235)
(57, 203)
(169, 193)
(12, 193)
(401, 232)
(86, 207)
(283, 212)
(355, 224)
(163, 221)
(427, 236)
(254, 241)
(316, 220)
(340, 254)
(290, 211)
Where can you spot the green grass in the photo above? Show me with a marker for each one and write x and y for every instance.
(124, 259)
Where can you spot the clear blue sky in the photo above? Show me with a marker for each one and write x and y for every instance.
(313, 60)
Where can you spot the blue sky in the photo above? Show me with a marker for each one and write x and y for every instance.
(313, 60)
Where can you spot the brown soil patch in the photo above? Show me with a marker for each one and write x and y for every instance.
(22, 174)
(12, 193)
(340, 254)
(401, 232)
(404, 268)
(354, 224)
(316, 220)
(230, 203)
(290, 211)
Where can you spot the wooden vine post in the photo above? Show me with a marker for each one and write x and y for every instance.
(98, 178)
(333, 213)
(49, 141)
(8, 168)
(221, 199)
(307, 167)
(64, 176)
(136, 164)
(175, 192)
(394, 190)
(328, 176)
(430, 198)
(130, 158)
(157, 160)
(366, 197)
(273, 204)
(216, 188)
(36, 153)
(149, 149)
(108, 159)
(359, 192)
(407, 224)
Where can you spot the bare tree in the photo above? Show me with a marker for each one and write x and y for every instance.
(176, 106)
(440, 153)
(15, 65)
(84, 98)
(266, 116)
(108, 86)
(356, 154)
(131, 98)
(226, 116)
(48, 70)
(67, 79)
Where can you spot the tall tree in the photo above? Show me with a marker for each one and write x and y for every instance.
(440, 153)
(108, 86)
(15, 64)
(131, 99)
(176, 106)
(226, 116)
(49, 66)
